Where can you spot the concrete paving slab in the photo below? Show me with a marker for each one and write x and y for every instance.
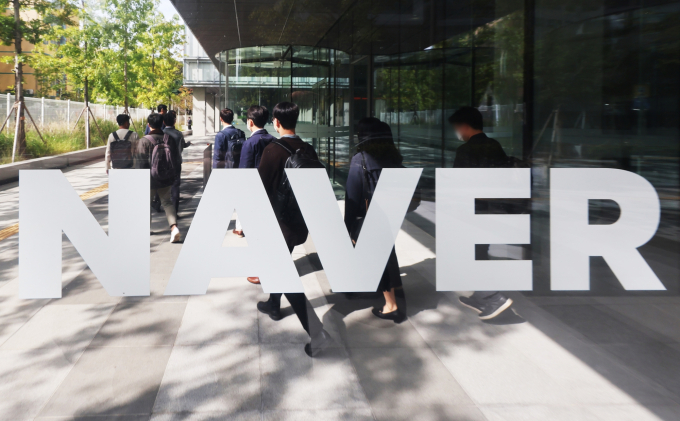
(363, 329)
(28, 377)
(538, 413)
(410, 383)
(477, 368)
(226, 314)
(316, 415)
(98, 418)
(67, 328)
(209, 416)
(290, 381)
(111, 381)
(141, 324)
(636, 413)
(211, 378)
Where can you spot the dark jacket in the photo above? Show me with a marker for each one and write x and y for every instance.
(356, 194)
(251, 153)
(178, 137)
(271, 169)
(145, 150)
(480, 151)
(224, 143)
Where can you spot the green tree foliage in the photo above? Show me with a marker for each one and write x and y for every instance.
(31, 21)
(127, 51)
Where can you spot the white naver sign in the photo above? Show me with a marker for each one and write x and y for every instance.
(48, 206)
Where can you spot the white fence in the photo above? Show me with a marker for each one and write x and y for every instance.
(48, 112)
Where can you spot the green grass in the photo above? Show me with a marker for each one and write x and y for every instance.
(58, 140)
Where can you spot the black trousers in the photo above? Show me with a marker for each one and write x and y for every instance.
(482, 253)
(302, 307)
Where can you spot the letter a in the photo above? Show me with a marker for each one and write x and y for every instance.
(203, 257)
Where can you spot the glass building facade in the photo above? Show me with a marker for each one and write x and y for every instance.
(583, 84)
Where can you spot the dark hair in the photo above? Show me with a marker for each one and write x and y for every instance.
(162, 107)
(468, 115)
(155, 121)
(227, 115)
(122, 119)
(287, 113)
(169, 119)
(375, 138)
(259, 114)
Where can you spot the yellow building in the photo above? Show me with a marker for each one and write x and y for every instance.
(7, 70)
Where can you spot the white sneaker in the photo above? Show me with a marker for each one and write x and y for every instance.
(175, 235)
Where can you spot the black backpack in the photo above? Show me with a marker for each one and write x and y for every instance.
(286, 206)
(163, 168)
(121, 151)
(234, 146)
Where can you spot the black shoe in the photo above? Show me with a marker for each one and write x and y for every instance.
(472, 303)
(318, 344)
(396, 316)
(494, 307)
(266, 308)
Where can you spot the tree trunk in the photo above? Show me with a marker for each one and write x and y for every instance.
(86, 96)
(18, 76)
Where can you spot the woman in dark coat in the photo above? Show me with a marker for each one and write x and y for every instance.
(375, 151)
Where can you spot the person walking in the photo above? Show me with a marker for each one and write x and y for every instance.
(272, 171)
(121, 145)
(169, 120)
(251, 152)
(224, 153)
(375, 151)
(158, 152)
(162, 109)
(227, 149)
(479, 151)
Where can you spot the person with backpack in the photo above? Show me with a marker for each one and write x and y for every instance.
(251, 151)
(228, 142)
(121, 145)
(169, 120)
(290, 152)
(158, 152)
(375, 151)
(479, 151)
(227, 149)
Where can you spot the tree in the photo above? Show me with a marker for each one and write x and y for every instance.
(160, 71)
(32, 20)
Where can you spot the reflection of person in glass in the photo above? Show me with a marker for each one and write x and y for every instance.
(479, 151)
(375, 151)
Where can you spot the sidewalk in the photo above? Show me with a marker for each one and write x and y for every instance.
(215, 357)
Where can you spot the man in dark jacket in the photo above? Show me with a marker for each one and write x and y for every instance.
(162, 110)
(251, 153)
(479, 151)
(145, 148)
(271, 169)
(223, 149)
(169, 119)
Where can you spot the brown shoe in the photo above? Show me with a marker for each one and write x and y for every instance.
(239, 233)
(253, 280)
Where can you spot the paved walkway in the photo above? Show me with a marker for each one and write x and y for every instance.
(214, 357)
